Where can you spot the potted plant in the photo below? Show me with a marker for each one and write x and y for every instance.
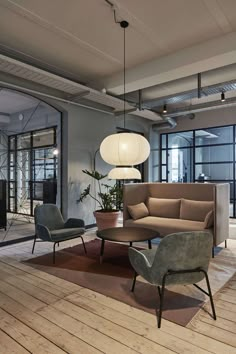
(109, 199)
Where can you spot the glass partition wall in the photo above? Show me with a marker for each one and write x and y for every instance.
(203, 155)
(31, 162)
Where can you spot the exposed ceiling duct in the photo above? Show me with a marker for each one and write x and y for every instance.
(188, 95)
(202, 107)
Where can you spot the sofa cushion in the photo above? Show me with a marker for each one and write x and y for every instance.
(166, 226)
(138, 211)
(165, 208)
(209, 220)
(194, 209)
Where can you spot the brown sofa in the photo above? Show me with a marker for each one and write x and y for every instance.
(178, 207)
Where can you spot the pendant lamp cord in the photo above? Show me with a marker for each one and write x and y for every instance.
(124, 77)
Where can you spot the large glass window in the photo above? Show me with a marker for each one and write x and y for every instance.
(203, 155)
(31, 164)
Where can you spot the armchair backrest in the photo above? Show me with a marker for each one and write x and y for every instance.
(48, 215)
(182, 251)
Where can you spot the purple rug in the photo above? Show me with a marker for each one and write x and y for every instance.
(113, 278)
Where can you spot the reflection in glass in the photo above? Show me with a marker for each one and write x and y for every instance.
(214, 172)
(23, 141)
(214, 153)
(43, 137)
(182, 139)
(163, 141)
(211, 136)
(180, 165)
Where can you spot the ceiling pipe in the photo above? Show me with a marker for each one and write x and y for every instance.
(203, 107)
(169, 123)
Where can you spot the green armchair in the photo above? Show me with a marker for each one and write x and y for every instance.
(181, 258)
(50, 226)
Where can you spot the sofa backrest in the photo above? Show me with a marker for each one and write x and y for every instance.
(193, 191)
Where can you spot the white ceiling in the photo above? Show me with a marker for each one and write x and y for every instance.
(166, 40)
(79, 37)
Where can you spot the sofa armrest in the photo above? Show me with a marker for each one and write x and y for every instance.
(43, 232)
(73, 223)
(221, 224)
(133, 193)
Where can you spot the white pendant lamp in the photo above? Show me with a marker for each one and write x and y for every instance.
(124, 150)
(124, 173)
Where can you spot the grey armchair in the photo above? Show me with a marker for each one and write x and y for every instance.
(181, 258)
(50, 226)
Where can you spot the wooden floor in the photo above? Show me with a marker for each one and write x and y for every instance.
(40, 313)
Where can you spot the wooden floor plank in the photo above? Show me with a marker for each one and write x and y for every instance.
(214, 332)
(55, 334)
(226, 305)
(82, 305)
(104, 343)
(225, 297)
(10, 346)
(192, 337)
(23, 298)
(25, 336)
(32, 279)
(229, 326)
(223, 313)
(65, 286)
(30, 289)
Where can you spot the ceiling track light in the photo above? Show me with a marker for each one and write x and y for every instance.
(164, 109)
(222, 96)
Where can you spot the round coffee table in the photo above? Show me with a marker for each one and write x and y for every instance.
(126, 234)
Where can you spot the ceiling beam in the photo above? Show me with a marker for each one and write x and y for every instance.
(205, 56)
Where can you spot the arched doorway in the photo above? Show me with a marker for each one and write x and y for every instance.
(30, 158)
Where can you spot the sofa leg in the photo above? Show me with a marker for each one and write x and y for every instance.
(225, 243)
(213, 252)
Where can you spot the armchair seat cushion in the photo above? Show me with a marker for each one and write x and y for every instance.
(167, 226)
(66, 234)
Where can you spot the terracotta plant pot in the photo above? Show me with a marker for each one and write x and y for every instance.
(106, 219)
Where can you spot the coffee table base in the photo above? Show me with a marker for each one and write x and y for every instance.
(130, 245)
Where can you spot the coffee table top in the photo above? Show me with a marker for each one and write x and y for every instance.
(127, 234)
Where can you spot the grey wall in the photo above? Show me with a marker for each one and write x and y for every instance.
(83, 131)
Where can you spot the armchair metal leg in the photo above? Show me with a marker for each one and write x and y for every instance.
(213, 252)
(225, 243)
(54, 254)
(35, 237)
(134, 281)
(210, 295)
(161, 295)
(85, 251)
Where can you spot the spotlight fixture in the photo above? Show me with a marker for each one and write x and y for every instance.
(222, 96)
(164, 109)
